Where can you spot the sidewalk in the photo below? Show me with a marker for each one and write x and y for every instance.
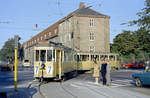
(100, 91)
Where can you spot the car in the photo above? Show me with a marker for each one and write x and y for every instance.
(128, 65)
(26, 63)
(133, 65)
(142, 78)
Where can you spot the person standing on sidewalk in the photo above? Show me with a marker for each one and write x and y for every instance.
(108, 69)
(103, 71)
(96, 73)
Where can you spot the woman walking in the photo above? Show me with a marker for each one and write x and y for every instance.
(96, 73)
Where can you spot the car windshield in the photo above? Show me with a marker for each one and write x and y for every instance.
(26, 60)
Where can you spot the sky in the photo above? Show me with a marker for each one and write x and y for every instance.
(18, 17)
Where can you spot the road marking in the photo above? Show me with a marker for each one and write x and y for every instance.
(119, 83)
(73, 85)
(116, 83)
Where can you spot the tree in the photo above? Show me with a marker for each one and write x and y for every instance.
(125, 43)
(7, 50)
(144, 17)
(143, 38)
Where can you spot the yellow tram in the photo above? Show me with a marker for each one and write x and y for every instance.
(85, 59)
(53, 61)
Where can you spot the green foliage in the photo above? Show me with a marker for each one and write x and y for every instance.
(143, 38)
(144, 17)
(125, 43)
(7, 50)
(132, 45)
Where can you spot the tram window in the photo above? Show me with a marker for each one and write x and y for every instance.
(112, 58)
(84, 57)
(53, 55)
(103, 57)
(97, 57)
(75, 58)
(65, 56)
(49, 55)
(92, 57)
(37, 55)
(43, 55)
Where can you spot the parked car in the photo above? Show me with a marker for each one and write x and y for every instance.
(134, 65)
(138, 65)
(128, 65)
(142, 78)
(26, 63)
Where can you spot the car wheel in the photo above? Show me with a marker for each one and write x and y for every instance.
(138, 82)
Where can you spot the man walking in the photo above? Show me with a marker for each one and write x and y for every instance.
(103, 71)
(108, 69)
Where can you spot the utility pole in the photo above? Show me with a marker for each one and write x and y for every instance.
(17, 38)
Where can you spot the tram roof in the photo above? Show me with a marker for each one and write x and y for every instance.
(103, 53)
(54, 45)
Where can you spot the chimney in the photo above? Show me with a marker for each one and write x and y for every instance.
(81, 5)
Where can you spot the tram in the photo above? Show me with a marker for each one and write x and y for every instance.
(53, 61)
(85, 60)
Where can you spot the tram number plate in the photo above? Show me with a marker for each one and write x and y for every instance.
(36, 69)
(49, 69)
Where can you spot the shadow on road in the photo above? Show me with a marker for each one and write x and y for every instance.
(20, 93)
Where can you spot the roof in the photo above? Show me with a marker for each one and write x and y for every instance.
(87, 11)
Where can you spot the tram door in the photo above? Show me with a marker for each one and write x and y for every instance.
(58, 63)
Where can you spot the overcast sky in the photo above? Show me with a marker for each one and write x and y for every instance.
(20, 16)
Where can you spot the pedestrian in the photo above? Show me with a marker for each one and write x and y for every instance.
(103, 71)
(108, 69)
(147, 65)
(96, 73)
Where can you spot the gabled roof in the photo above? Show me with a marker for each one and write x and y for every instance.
(87, 12)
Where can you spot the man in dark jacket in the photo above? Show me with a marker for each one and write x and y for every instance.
(103, 71)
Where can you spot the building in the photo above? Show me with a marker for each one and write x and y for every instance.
(83, 30)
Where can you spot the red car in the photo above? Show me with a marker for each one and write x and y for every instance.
(129, 65)
(138, 65)
(133, 65)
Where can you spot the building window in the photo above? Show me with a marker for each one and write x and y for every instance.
(55, 31)
(41, 37)
(45, 36)
(92, 48)
(60, 28)
(91, 22)
(65, 25)
(92, 36)
(50, 34)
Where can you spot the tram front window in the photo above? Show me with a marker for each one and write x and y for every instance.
(43, 55)
(37, 55)
(49, 55)
(84, 57)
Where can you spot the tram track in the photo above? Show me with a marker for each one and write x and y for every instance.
(74, 96)
(93, 90)
(39, 87)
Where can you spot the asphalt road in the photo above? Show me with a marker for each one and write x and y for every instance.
(81, 86)
(25, 75)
